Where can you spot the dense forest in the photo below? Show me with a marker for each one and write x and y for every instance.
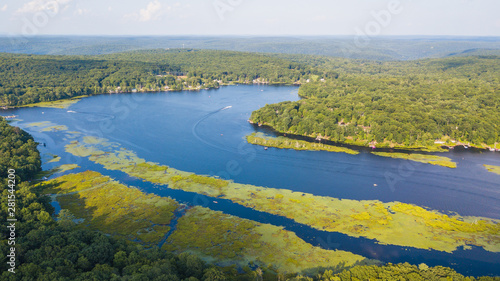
(50, 247)
(396, 103)
(399, 103)
(29, 79)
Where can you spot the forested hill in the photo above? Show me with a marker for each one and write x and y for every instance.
(37, 78)
(376, 48)
(402, 104)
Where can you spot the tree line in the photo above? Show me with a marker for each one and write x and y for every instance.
(408, 103)
(30, 79)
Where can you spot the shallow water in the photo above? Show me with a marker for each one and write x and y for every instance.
(198, 132)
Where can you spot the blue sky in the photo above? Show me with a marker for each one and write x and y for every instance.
(250, 17)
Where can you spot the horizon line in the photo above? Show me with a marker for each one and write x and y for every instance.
(244, 35)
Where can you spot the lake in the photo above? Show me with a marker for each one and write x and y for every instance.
(203, 132)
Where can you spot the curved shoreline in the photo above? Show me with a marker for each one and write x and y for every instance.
(389, 223)
(65, 103)
(443, 148)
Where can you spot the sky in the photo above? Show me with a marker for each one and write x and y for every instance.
(250, 17)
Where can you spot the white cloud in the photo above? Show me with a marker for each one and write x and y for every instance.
(41, 5)
(153, 11)
(4, 8)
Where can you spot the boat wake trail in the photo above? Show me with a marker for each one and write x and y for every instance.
(94, 116)
(217, 146)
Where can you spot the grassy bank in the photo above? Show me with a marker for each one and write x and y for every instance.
(422, 158)
(283, 142)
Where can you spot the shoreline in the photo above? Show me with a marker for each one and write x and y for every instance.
(72, 100)
(357, 144)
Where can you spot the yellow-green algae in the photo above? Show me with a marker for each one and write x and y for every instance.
(113, 208)
(422, 158)
(65, 167)
(227, 238)
(54, 159)
(55, 128)
(39, 124)
(283, 142)
(56, 104)
(389, 223)
(493, 169)
(47, 126)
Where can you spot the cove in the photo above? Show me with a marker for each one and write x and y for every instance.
(469, 262)
(191, 131)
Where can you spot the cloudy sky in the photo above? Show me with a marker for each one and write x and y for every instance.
(250, 17)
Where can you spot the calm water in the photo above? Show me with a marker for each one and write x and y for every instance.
(203, 132)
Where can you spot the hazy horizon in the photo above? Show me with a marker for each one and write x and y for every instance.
(279, 18)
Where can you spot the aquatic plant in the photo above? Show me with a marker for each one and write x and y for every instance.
(388, 223)
(422, 158)
(47, 126)
(113, 208)
(229, 239)
(54, 159)
(55, 128)
(283, 142)
(493, 169)
(65, 167)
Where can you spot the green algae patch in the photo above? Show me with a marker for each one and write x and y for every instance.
(65, 167)
(47, 126)
(111, 207)
(493, 169)
(55, 104)
(389, 223)
(55, 128)
(41, 124)
(422, 158)
(228, 239)
(54, 159)
(287, 143)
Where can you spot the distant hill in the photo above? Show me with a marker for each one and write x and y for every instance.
(380, 48)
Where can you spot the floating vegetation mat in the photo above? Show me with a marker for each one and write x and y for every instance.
(47, 126)
(108, 206)
(493, 169)
(111, 207)
(65, 167)
(283, 142)
(226, 238)
(389, 223)
(422, 158)
(54, 158)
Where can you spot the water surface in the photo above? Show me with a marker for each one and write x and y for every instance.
(203, 132)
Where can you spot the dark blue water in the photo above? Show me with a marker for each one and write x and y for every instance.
(197, 132)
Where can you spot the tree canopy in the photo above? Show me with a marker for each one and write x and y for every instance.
(407, 103)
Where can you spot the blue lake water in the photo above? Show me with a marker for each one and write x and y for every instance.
(203, 132)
